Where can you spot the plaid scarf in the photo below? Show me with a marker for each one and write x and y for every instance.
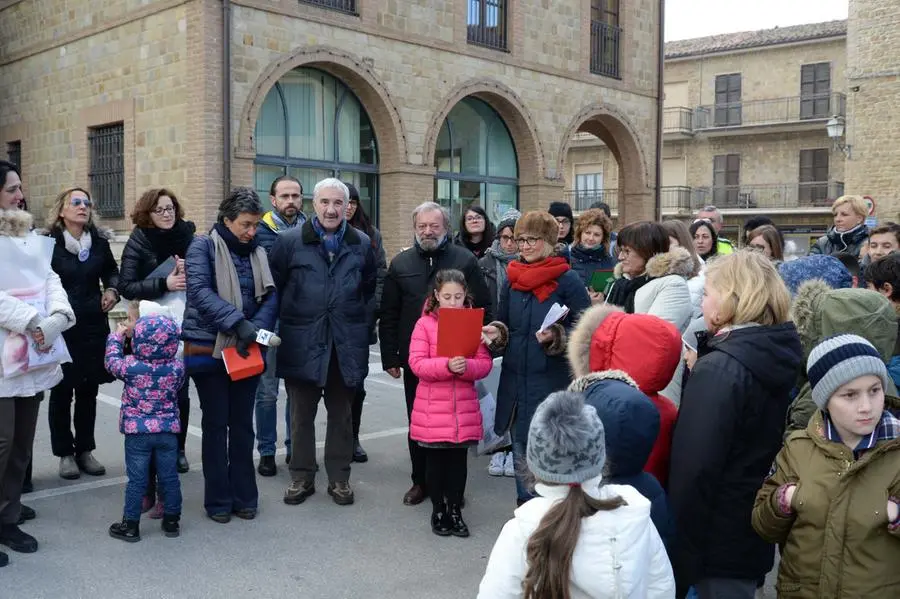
(330, 241)
(887, 429)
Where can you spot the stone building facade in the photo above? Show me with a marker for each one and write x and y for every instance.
(391, 94)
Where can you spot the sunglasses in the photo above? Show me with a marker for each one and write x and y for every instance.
(81, 202)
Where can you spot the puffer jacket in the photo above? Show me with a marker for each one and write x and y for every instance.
(493, 266)
(647, 349)
(631, 429)
(325, 306)
(837, 541)
(729, 430)
(139, 259)
(206, 313)
(820, 312)
(850, 242)
(446, 408)
(268, 230)
(81, 280)
(585, 262)
(19, 317)
(531, 371)
(152, 376)
(618, 553)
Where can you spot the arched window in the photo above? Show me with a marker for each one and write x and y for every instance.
(476, 161)
(312, 126)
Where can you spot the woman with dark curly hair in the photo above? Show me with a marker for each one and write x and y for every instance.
(476, 231)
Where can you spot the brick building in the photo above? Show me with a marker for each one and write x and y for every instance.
(745, 124)
(451, 100)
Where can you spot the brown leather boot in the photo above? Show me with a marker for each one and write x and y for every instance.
(415, 495)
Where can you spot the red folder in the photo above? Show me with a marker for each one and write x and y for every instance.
(459, 331)
(239, 367)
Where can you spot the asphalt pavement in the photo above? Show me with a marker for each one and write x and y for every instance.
(376, 548)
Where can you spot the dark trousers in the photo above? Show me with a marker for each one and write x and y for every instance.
(18, 421)
(356, 409)
(62, 441)
(184, 414)
(227, 447)
(163, 449)
(416, 451)
(445, 473)
(304, 398)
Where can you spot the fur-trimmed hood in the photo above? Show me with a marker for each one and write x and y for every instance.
(15, 223)
(644, 347)
(677, 261)
(819, 311)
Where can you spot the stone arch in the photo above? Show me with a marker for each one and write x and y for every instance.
(617, 132)
(522, 129)
(357, 75)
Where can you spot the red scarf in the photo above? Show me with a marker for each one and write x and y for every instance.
(538, 277)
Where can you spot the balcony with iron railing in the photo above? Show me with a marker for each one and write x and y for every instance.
(581, 199)
(347, 6)
(678, 122)
(793, 113)
(605, 48)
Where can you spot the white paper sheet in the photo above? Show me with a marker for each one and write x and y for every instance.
(554, 315)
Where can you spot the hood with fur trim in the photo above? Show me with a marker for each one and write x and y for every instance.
(819, 311)
(15, 223)
(676, 261)
(644, 347)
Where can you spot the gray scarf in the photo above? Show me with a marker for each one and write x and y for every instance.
(230, 287)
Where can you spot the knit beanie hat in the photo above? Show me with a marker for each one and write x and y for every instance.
(539, 224)
(561, 209)
(566, 443)
(818, 266)
(510, 218)
(839, 360)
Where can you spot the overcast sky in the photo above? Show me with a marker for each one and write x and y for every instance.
(697, 18)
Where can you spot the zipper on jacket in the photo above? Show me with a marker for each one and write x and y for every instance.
(455, 413)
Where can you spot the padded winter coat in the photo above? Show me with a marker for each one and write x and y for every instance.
(138, 261)
(618, 555)
(530, 370)
(833, 243)
(631, 429)
(17, 316)
(325, 307)
(586, 262)
(446, 408)
(647, 349)
(837, 542)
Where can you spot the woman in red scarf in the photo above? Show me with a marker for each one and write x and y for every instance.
(534, 364)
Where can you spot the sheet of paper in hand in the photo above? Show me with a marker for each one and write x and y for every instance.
(459, 331)
(554, 315)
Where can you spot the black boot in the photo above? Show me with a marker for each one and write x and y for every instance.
(27, 513)
(171, 526)
(13, 537)
(359, 454)
(126, 530)
(458, 526)
(267, 466)
(440, 521)
(4, 559)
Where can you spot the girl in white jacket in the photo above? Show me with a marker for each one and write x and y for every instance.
(579, 539)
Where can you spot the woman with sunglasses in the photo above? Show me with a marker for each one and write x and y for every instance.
(85, 264)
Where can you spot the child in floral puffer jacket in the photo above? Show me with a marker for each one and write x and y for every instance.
(149, 417)
(446, 415)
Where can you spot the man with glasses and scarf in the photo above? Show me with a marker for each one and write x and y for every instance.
(408, 280)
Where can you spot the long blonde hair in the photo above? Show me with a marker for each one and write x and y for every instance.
(551, 546)
(750, 289)
(54, 216)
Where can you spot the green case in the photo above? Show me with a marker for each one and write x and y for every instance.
(600, 279)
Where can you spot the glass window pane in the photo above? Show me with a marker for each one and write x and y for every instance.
(263, 178)
(310, 99)
(366, 184)
(308, 179)
(501, 154)
(443, 154)
(270, 127)
(470, 136)
(500, 198)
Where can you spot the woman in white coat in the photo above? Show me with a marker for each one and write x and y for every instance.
(651, 278)
(19, 403)
(579, 539)
(680, 237)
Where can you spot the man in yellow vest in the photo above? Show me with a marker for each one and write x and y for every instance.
(712, 214)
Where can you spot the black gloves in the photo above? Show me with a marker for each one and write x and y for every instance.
(246, 334)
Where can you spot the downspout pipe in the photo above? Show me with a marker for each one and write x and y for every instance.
(659, 108)
(226, 95)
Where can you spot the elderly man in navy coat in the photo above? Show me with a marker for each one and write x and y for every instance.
(325, 272)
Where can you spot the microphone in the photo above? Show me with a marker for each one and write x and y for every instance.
(267, 338)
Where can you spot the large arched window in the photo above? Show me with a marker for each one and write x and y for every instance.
(312, 126)
(476, 161)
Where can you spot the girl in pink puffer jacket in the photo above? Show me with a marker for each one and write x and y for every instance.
(446, 416)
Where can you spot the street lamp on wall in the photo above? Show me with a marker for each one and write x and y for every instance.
(835, 129)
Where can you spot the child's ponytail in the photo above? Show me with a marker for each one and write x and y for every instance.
(551, 547)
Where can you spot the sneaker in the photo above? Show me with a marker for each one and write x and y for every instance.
(89, 464)
(267, 465)
(221, 518)
(158, 510)
(171, 526)
(298, 491)
(341, 493)
(247, 513)
(126, 530)
(68, 469)
(13, 537)
(509, 465)
(495, 468)
(183, 464)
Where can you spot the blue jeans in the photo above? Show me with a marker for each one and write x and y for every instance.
(267, 409)
(139, 449)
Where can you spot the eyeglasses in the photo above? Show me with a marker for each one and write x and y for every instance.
(165, 210)
(81, 202)
(475, 218)
(527, 241)
(562, 220)
(506, 238)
